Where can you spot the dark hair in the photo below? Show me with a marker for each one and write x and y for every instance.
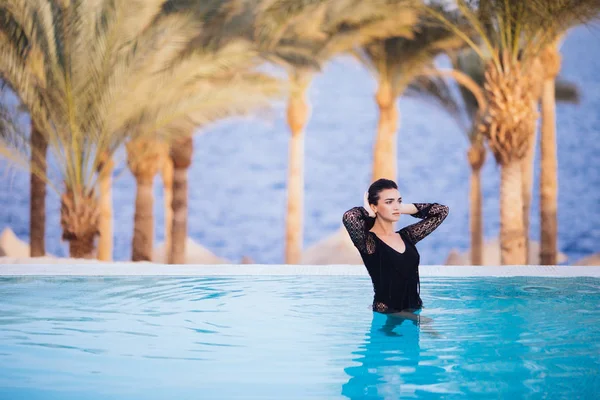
(377, 187)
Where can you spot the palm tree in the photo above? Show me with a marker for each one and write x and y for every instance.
(7, 120)
(166, 174)
(434, 88)
(565, 13)
(242, 93)
(396, 62)
(549, 163)
(9, 129)
(37, 204)
(69, 97)
(551, 89)
(181, 159)
(232, 93)
(301, 36)
(11, 32)
(476, 155)
(512, 34)
(94, 76)
(236, 58)
(105, 218)
(145, 157)
(471, 105)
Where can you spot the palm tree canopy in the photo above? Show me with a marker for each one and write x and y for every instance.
(94, 74)
(306, 34)
(10, 129)
(303, 34)
(399, 60)
(465, 108)
(519, 29)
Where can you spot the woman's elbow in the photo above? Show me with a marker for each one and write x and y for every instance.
(446, 211)
(346, 218)
(443, 210)
(350, 215)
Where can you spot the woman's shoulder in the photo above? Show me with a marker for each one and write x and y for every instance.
(403, 232)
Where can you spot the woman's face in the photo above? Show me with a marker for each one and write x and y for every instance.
(388, 205)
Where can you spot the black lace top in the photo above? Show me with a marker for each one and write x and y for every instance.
(395, 276)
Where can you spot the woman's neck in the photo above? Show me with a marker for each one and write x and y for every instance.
(383, 227)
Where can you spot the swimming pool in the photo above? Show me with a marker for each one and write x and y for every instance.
(295, 337)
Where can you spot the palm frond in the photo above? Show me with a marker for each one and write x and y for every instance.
(20, 72)
(10, 130)
(223, 20)
(398, 23)
(209, 100)
(399, 60)
(116, 72)
(471, 65)
(518, 29)
(274, 17)
(437, 90)
(14, 138)
(310, 33)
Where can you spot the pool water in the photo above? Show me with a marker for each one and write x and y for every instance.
(296, 337)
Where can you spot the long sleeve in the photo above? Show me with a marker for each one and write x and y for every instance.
(355, 221)
(432, 215)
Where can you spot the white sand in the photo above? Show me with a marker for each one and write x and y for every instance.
(338, 249)
(594, 259)
(18, 250)
(195, 254)
(334, 256)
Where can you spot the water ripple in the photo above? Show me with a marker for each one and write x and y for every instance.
(489, 337)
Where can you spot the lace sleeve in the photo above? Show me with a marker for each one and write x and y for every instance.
(355, 221)
(432, 215)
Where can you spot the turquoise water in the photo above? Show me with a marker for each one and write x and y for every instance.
(295, 337)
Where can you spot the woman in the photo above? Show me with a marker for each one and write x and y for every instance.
(391, 257)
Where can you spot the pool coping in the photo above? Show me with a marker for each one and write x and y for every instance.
(150, 269)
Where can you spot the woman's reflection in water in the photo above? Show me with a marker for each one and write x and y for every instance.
(389, 358)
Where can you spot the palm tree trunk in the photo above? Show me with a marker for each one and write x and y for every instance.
(476, 219)
(180, 216)
(181, 156)
(512, 235)
(167, 178)
(548, 177)
(143, 231)
(384, 157)
(527, 187)
(297, 116)
(144, 157)
(37, 205)
(105, 224)
(549, 162)
(476, 156)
